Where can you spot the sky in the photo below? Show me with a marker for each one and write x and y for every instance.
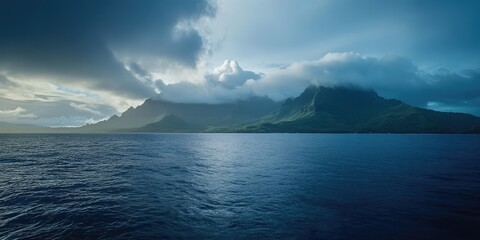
(68, 63)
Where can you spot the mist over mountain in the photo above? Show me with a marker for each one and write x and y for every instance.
(197, 114)
(390, 76)
(317, 109)
(341, 109)
(22, 128)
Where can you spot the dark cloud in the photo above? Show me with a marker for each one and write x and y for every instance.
(80, 39)
(135, 68)
(87, 64)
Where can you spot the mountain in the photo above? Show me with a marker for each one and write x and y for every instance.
(321, 109)
(201, 115)
(317, 109)
(170, 123)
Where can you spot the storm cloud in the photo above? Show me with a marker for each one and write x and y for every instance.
(82, 43)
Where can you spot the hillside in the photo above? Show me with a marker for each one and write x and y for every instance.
(321, 109)
(197, 114)
(316, 110)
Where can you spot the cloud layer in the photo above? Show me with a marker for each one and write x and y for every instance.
(391, 76)
(14, 114)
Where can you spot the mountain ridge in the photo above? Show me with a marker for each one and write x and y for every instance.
(321, 109)
(203, 114)
(317, 109)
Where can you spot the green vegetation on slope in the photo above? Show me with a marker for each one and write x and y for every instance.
(317, 109)
(320, 109)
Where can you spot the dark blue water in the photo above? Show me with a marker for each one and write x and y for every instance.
(240, 186)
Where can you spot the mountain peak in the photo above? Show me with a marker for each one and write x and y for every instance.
(317, 109)
(346, 109)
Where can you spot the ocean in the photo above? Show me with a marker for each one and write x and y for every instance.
(239, 186)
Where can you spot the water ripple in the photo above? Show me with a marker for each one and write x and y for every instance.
(239, 186)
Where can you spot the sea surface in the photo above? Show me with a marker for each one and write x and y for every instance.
(239, 186)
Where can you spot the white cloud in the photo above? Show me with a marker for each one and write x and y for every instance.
(13, 114)
(51, 104)
(225, 84)
(231, 75)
